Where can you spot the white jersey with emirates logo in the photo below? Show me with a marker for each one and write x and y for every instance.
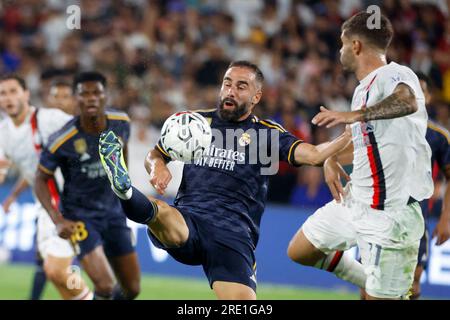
(391, 159)
(17, 143)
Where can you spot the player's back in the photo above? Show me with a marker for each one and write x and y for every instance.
(391, 157)
(86, 189)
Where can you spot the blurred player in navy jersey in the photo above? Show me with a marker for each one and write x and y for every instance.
(217, 212)
(24, 133)
(438, 138)
(89, 213)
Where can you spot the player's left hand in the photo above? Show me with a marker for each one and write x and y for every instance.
(333, 172)
(332, 118)
(7, 204)
(442, 231)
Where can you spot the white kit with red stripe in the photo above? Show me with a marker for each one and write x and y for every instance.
(21, 144)
(391, 160)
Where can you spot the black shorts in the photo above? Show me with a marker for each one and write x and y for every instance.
(110, 231)
(225, 255)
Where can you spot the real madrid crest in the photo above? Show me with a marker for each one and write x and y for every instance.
(245, 139)
(80, 146)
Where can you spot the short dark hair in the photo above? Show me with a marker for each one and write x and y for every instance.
(358, 25)
(247, 64)
(13, 76)
(60, 83)
(87, 77)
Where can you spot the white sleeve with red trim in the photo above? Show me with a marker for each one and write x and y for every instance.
(51, 120)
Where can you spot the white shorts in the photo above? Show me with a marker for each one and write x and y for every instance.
(48, 241)
(388, 241)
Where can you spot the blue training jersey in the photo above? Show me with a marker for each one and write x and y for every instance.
(227, 187)
(439, 140)
(87, 191)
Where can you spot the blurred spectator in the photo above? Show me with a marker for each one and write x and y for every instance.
(171, 55)
(311, 190)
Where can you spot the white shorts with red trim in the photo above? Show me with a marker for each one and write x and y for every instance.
(48, 241)
(388, 241)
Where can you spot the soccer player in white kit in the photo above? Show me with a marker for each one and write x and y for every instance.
(378, 211)
(22, 134)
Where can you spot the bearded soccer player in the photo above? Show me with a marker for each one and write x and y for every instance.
(215, 220)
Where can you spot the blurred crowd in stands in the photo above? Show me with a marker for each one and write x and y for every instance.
(164, 56)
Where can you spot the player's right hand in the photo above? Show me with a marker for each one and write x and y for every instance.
(160, 176)
(65, 228)
(333, 172)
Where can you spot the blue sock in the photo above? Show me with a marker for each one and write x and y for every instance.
(39, 281)
(139, 208)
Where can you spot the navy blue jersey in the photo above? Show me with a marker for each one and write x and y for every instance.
(87, 191)
(226, 187)
(439, 140)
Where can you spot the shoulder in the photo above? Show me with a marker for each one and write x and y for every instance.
(116, 115)
(49, 115)
(438, 130)
(51, 112)
(395, 73)
(61, 136)
(268, 124)
(207, 113)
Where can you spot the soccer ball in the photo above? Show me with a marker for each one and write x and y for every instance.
(185, 135)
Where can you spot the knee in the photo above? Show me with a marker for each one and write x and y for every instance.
(295, 253)
(242, 295)
(132, 290)
(163, 208)
(104, 287)
(56, 274)
(173, 236)
(299, 254)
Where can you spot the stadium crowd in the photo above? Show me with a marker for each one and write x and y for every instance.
(164, 56)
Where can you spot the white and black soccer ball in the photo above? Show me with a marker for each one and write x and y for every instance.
(185, 135)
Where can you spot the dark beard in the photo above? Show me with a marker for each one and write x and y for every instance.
(232, 115)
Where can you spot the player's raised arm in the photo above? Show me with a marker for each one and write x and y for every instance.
(155, 164)
(309, 154)
(401, 102)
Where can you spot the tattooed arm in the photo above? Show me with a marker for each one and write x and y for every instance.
(401, 102)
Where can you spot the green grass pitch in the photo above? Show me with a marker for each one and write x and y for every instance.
(15, 282)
